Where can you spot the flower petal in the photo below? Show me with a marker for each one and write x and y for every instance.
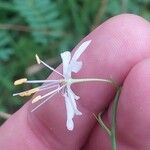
(75, 66)
(65, 56)
(70, 113)
(76, 97)
(81, 49)
(72, 101)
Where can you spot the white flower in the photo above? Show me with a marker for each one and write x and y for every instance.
(72, 65)
(64, 85)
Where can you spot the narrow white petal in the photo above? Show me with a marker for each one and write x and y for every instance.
(81, 49)
(72, 101)
(75, 66)
(70, 113)
(65, 56)
(76, 97)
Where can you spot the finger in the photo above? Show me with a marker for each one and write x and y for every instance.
(133, 114)
(112, 53)
(137, 106)
(101, 59)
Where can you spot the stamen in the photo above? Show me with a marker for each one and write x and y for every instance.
(48, 87)
(20, 81)
(51, 68)
(27, 93)
(43, 102)
(49, 84)
(56, 90)
(51, 94)
(44, 81)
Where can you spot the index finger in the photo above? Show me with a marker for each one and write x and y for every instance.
(112, 53)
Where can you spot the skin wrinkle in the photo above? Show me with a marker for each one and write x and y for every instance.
(37, 120)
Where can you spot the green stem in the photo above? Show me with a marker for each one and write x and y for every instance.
(112, 132)
(94, 79)
(114, 113)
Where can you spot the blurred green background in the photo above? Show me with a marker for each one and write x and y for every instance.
(47, 27)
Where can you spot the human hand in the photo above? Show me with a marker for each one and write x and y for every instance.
(120, 50)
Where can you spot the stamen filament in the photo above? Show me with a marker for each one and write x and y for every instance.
(48, 87)
(56, 90)
(45, 81)
(51, 68)
(48, 84)
(51, 95)
(43, 102)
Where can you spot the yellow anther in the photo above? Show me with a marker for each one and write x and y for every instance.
(20, 81)
(29, 92)
(37, 59)
(36, 99)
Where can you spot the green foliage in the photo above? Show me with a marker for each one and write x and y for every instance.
(5, 47)
(43, 18)
(48, 27)
(139, 7)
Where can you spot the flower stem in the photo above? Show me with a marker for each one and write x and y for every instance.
(102, 124)
(96, 80)
(114, 113)
(111, 132)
